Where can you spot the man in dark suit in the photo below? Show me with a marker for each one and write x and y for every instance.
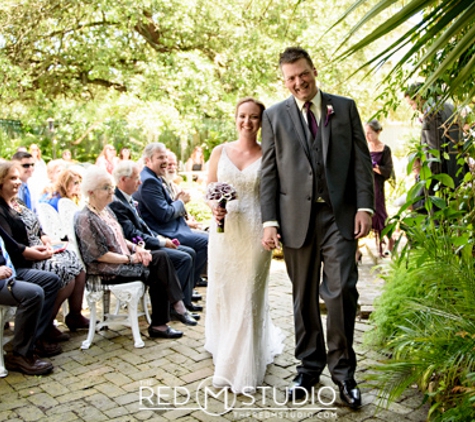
(164, 215)
(127, 179)
(317, 197)
(440, 132)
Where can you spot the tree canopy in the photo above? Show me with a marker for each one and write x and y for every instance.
(136, 71)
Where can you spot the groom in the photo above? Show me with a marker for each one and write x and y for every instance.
(317, 197)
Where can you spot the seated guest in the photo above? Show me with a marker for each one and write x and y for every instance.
(33, 293)
(39, 179)
(53, 170)
(67, 156)
(162, 213)
(37, 252)
(116, 260)
(28, 298)
(124, 154)
(107, 158)
(196, 162)
(171, 179)
(68, 185)
(26, 168)
(127, 178)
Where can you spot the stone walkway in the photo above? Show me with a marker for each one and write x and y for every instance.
(167, 379)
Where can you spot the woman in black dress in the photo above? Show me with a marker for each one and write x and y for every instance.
(382, 171)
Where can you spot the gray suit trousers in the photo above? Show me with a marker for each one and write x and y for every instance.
(324, 245)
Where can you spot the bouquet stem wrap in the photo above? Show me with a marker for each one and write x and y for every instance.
(222, 193)
(220, 223)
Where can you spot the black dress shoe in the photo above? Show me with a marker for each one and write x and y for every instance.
(195, 316)
(195, 297)
(185, 318)
(350, 393)
(194, 308)
(46, 349)
(168, 333)
(201, 282)
(301, 384)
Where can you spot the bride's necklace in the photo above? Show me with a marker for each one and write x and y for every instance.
(100, 213)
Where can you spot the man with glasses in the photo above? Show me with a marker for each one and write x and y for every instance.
(27, 164)
(317, 193)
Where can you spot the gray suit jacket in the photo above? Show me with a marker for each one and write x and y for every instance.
(287, 193)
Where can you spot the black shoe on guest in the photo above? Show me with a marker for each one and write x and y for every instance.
(301, 385)
(55, 335)
(168, 333)
(195, 297)
(350, 394)
(185, 318)
(202, 282)
(194, 308)
(46, 349)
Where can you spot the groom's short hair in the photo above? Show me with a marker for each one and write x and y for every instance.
(292, 54)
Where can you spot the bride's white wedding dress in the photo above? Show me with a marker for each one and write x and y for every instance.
(238, 328)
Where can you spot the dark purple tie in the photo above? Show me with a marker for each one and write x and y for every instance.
(312, 122)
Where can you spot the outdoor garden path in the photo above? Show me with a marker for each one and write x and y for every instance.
(106, 382)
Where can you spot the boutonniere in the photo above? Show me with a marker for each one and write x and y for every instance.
(330, 111)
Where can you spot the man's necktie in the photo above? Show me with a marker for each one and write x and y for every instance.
(311, 120)
(168, 188)
(8, 261)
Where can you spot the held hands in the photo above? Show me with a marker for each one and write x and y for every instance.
(363, 222)
(270, 238)
(5, 272)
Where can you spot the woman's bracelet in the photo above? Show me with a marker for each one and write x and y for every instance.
(134, 248)
(131, 259)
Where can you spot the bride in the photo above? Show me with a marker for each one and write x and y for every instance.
(238, 329)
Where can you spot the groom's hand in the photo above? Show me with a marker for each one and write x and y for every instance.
(363, 222)
(270, 238)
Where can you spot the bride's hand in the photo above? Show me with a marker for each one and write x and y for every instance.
(218, 211)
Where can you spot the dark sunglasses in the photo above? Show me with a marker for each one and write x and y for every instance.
(27, 165)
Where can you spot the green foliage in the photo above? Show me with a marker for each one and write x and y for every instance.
(437, 44)
(130, 73)
(424, 320)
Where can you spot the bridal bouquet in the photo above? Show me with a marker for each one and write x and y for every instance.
(221, 192)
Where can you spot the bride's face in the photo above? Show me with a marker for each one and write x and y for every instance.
(248, 119)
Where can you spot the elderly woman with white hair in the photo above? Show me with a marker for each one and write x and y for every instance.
(116, 260)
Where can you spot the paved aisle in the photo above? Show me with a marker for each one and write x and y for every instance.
(107, 381)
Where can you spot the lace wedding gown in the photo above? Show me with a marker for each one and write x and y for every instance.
(239, 332)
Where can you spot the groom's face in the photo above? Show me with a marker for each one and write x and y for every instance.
(300, 80)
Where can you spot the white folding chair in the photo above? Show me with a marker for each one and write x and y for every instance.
(50, 221)
(128, 296)
(6, 314)
(67, 209)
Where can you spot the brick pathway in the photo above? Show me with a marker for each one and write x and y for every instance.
(106, 382)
